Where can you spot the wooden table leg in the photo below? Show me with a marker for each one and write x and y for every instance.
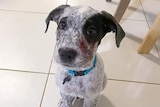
(151, 37)
(121, 9)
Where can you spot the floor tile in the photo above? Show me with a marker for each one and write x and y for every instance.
(150, 23)
(137, 30)
(151, 8)
(54, 67)
(23, 43)
(134, 10)
(52, 93)
(116, 94)
(125, 63)
(126, 94)
(18, 89)
(31, 5)
(98, 5)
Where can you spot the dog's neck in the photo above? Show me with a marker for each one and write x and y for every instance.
(85, 72)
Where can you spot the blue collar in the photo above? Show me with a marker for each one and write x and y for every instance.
(85, 72)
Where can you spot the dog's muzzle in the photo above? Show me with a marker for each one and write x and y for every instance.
(67, 55)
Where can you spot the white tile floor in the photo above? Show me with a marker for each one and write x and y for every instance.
(27, 69)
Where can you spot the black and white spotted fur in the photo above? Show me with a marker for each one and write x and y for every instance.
(79, 33)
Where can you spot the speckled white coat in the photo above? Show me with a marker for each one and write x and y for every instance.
(88, 86)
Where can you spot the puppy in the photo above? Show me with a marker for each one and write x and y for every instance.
(80, 72)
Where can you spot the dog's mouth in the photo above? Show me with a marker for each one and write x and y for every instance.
(66, 65)
(76, 65)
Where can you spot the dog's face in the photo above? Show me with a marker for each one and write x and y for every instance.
(79, 32)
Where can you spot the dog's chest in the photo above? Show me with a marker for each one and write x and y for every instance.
(72, 85)
(81, 86)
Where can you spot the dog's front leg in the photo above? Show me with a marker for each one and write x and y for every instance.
(91, 102)
(65, 101)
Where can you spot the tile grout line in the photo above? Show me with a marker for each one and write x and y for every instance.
(134, 19)
(130, 81)
(21, 11)
(46, 83)
(52, 73)
(149, 26)
(144, 14)
(44, 90)
(23, 71)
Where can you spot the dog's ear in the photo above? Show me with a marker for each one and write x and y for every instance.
(110, 24)
(55, 14)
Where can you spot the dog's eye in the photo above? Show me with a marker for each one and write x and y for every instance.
(91, 31)
(62, 24)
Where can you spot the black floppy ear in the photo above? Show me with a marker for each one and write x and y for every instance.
(55, 14)
(113, 26)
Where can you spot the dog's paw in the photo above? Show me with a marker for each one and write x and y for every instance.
(62, 103)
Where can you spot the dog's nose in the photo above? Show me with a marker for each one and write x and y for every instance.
(67, 55)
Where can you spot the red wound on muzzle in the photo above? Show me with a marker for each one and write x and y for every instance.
(82, 45)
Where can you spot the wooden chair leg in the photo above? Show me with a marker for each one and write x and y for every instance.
(151, 37)
(121, 9)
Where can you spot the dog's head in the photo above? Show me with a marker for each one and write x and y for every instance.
(79, 32)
